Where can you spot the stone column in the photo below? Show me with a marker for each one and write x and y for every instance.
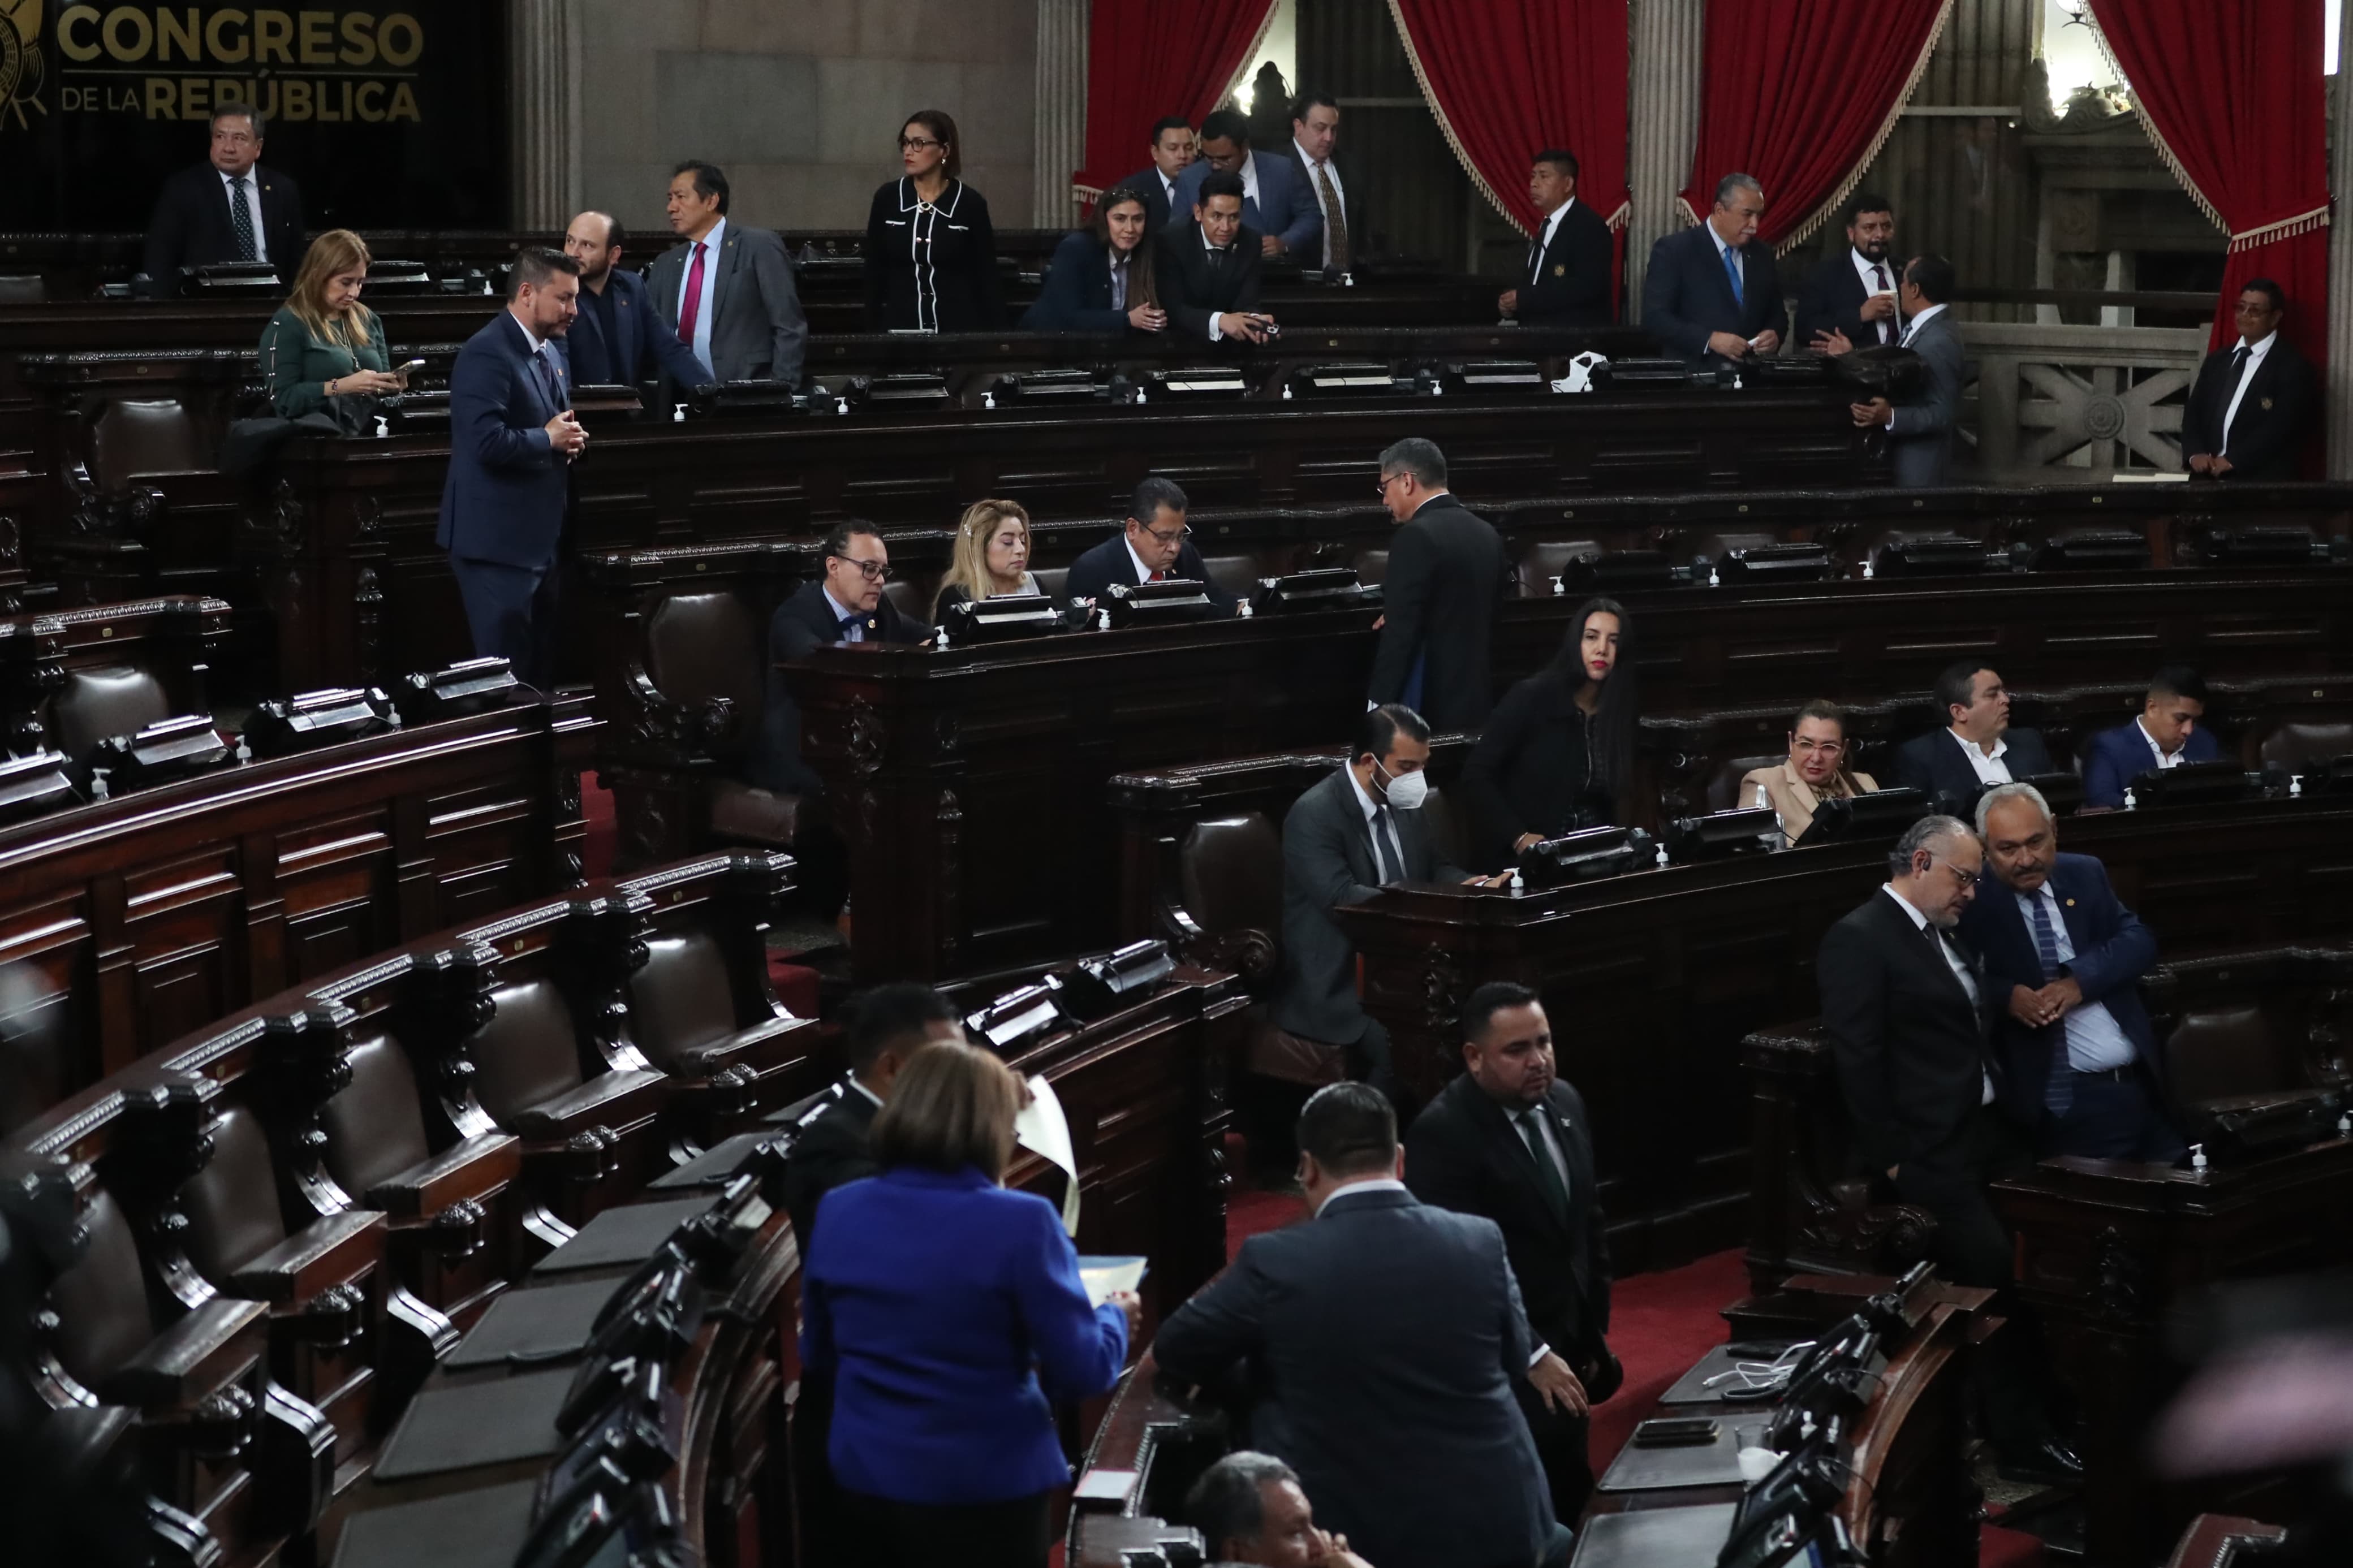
(543, 143)
(1662, 65)
(1061, 110)
(2339, 388)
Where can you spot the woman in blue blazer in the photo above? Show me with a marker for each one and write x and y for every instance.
(951, 1314)
(1077, 294)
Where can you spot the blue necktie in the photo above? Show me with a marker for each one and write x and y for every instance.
(1732, 271)
(2058, 1092)
(848, 624)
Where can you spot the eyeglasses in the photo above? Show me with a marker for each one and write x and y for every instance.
(1382, 489)
(909, 144)
(1179, 537)
(874, 571)
(1804, 746)
(1966, 878)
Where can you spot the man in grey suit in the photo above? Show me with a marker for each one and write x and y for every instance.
(1276, 201)
(1358, 831)
(1382, 1342)
(726, 292)
(1920, 432)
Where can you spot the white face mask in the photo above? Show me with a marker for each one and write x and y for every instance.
(1406, 791)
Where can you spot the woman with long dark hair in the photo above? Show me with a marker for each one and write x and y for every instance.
(1557, 750)
(931, 251)
(1100, 279)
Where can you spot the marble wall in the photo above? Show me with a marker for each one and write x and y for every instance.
(800, 102)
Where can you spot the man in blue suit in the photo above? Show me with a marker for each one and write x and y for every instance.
(2165, 735)
(1276, 202)
(513, 439)
(2063, 959)
(1712, 289)
(1382, 1341)
(619, 338)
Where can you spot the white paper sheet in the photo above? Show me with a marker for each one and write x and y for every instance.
(1102, 1276)
(1045, 1131)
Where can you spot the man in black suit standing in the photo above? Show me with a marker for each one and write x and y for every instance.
(886, 1027)
(1851, 295)
(1209, 269)
(1979, 749)
(1444, 583)
(1571, 267)
(1340, 197)
(1172, 154)
(1508, 1141)
(1383, 1341)
(618, 338)
(1712, 289)
(1154, 546)
(2247, 415)
(1358, 831)
(1908, 1011)
(225, 209)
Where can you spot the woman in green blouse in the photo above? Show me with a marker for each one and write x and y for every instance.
(325, 351)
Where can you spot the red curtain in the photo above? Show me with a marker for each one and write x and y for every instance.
(1150, 58)
(2233, 95)
(1801, 93)
(1508, 78)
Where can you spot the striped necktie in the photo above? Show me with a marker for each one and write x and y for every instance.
(2058, 1092)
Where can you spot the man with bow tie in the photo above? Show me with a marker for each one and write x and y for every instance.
(2247, 417)
(845, 605)
(1508, 1141)
(1909, 1011)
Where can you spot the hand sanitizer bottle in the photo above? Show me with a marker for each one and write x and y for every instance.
(2197, 1156)
(97, 790)
(1519, 884)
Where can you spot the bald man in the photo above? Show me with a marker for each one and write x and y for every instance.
(619, 338)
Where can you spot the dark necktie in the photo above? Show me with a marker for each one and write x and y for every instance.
(548, 386)
(2059, 1090)
(1549, 1180)
(1536, 253)
(850, 623)
(1336, 221)
(248, 248)
(1885, 326)
(1391, 872)
(1217, 259)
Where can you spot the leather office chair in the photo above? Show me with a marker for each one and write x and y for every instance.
(22, 288)
(707, 654)
(2216, 1051)
(1230, 879)
(912, 596)
(1724, 784)
(2297, 744)
(719, 1032)
(1051, 580)
(135, 436)
(450, 1213)
(96, 704)
(1372, 565)
(1237, 574)
(1545, 560)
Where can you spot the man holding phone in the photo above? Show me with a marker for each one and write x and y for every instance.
(513, 439)
(1849, 300)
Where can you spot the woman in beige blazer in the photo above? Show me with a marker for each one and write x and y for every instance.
(1816, 770)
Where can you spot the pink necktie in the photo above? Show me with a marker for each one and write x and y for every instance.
(692, 308)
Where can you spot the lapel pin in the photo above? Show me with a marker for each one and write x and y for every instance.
(2071, 903)
(1560, 270)
(2267, 404)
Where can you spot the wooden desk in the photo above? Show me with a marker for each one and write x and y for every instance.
(1652, 979)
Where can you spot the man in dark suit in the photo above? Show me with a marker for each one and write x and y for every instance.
(1339, 196)
(1282, 212)
(1848, 298)
(885, 1027)
(2247, 415)
(1920, 430)
(1508, 1142)
(1712, 289)
(1979, 749)
(513, 439)
(1906, 1010)
(2165, 735)
(1172, 154)
(1440, 596)
(844, 604)
(1358, 831)
(225, 209)
(727, 293)
(1209, 268)
(619, 338)
(2066, 959)
(1250, 1509)
(1153, 546)
(1571, 272)
(1382, 1341)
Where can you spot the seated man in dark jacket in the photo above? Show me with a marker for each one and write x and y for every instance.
(2167, 734)
(845, 606)
(1153, 546)
(1508, 1141)
(1979, 749)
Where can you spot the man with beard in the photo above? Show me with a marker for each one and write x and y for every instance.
(619, 338)
(2066, 959)
(1849, 300)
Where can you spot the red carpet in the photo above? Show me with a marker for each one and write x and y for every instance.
(1659, 1325)
(596, 806)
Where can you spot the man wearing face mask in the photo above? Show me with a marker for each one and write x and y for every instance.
(1358, 831)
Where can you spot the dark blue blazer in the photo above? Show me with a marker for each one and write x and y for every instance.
(1285, 207)
(505, 497)
(1686, 294)
(1383, 1341)
(1155, 198)
(1934, 763)
(2112, 951)
(950, 1312)
(802, 624)
(1076, 295)
(1093, 574)
(2120, 755)
(639, 335)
